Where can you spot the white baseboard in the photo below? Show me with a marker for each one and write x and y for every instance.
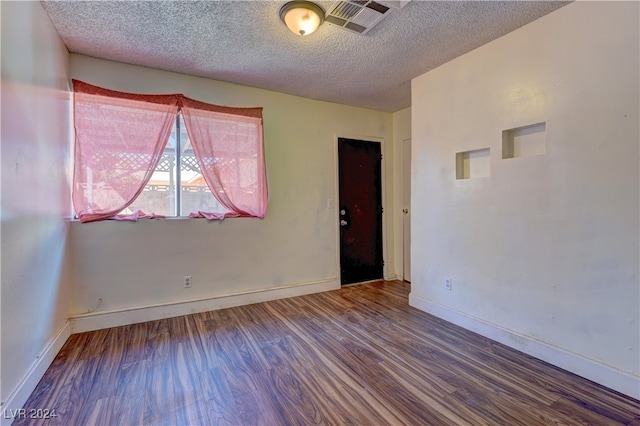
(603, 374)
(107, 319)
(18, 397)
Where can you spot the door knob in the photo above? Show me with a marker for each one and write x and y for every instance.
(405, 211)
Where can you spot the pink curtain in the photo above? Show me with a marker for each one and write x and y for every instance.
(120, 138)
(228, 143)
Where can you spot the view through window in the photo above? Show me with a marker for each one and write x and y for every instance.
(177, 186)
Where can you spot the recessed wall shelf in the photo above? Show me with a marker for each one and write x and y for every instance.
(524, 141)
(473, 164)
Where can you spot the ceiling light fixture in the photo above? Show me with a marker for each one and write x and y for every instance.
(302, 17)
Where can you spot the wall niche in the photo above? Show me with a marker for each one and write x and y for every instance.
(524, 141)
(473, 164)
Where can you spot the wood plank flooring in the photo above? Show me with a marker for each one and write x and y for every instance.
(356, 356)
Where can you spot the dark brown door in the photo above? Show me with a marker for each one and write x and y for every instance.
(360, 212)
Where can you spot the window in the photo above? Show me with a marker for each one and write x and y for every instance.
(142, 156)
(177, 186)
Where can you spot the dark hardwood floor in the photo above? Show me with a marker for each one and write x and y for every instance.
(356, 356)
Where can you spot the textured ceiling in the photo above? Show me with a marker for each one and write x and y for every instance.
(244, 42)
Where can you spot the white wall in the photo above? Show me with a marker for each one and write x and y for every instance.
(138, 265)
(35, 197)
(544, 252)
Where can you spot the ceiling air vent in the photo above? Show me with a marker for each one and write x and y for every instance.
(360, 16)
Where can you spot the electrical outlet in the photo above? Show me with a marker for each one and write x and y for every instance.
(187, 281)
(448, 284)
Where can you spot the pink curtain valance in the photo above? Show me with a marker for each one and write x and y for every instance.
(113, 127)
(172, 99)
(184, 101)
(90, 89)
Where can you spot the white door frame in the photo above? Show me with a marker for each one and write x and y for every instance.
(406, 209)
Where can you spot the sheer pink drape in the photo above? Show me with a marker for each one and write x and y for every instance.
(228, 143)
(120, 138)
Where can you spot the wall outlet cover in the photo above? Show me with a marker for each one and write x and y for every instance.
(448, 284)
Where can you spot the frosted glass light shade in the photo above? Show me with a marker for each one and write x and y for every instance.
(302, 17)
